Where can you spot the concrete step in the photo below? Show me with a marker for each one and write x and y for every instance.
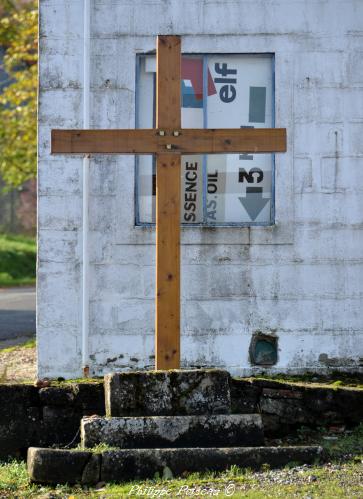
(126, 464)
(229, 430)
(72, 466)
(168, 393)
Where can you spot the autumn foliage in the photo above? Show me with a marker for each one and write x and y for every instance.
(18, 100)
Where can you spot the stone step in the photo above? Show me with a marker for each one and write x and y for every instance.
(230, 430)
(72, 466)
(168, 393)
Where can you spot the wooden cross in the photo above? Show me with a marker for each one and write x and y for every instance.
(168, 142)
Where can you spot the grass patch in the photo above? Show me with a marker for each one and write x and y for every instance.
(347, 381)
(17, 260)
(13, 477)
(337, 446)
(97, 449)
(28, 344)
(335, 379)
(350, 444)
(65, 382)
(331, 481)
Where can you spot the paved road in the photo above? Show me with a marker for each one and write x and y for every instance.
(17, 313)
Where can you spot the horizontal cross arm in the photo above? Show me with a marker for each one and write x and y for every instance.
(104, 141)
(185, 141)
(229, 140)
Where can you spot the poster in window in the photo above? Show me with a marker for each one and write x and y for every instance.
(218, 91)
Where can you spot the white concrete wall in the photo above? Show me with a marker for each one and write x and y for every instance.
(301, 279)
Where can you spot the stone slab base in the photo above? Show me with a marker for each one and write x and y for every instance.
(168, 393)
(230, 430)
(67, 466)
(63, 466)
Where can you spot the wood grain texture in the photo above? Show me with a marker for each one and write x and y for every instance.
(168, 116)
(167, 322)
(226, 140)
(104, 141)
(189, 141)
(168, 82)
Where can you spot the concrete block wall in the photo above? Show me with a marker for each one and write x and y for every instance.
(300, 280)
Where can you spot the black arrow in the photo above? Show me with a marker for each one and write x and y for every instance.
(253, 203)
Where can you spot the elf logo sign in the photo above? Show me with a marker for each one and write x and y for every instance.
(227, 81)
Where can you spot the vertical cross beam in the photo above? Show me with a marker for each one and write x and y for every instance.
(168, 117)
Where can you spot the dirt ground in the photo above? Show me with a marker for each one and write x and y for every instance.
(18, 363)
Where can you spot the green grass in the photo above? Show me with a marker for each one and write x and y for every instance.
(28, 344)
(336, 446)
(97, 449)
(329, 482)
(350, 444)
(17, 260)
(65, 382)
(335, 379)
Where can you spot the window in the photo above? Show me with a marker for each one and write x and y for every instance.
(218, 91)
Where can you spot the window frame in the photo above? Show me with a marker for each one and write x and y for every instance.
(204, 224)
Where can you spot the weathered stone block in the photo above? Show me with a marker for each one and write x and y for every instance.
(63, 466)
(80, 396)
(166, 393)
(19, 418)
(68, 466)
(291, 393)
(18, 394)
(55, 414)
(137, 393)
(272, 426)
(59, 424)
(244, 396)
(173, 431)
(56, 395)
(90, 398)
(334, 405)
(290, 410)
(130, 464)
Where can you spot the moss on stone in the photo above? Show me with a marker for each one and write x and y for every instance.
(334, 379)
